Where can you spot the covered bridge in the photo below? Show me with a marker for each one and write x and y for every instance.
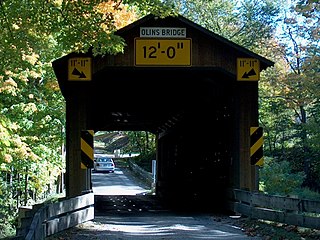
(197, 91)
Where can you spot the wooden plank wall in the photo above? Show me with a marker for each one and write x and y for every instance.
(206, 52)
(56, 217)
(289, 210)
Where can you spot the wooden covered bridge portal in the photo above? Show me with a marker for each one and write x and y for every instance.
(195, 90)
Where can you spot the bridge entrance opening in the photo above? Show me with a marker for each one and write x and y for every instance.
(191, 112)
(123, 163)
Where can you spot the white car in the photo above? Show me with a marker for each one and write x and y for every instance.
(104, 164)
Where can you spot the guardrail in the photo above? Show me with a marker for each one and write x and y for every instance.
(289, 210)
(53, 218)
(141, 173)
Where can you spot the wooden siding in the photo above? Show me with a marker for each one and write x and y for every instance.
(52, 218)
(206, 51)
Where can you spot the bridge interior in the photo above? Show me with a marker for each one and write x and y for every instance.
(155, 100)
(192, 113)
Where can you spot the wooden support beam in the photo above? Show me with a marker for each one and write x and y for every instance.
(77, 179)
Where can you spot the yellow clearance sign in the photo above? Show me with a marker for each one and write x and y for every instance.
(162, 52)
(248, 69)
(79, 69)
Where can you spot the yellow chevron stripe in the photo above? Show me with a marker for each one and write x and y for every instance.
(260, 162)
(87, 149)
(253, 129)
(83, 166)
(91, 132)
(256, 146)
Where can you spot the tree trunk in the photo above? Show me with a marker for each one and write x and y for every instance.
(26, 187)
(305, 146)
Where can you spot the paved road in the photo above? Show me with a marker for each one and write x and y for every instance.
(121, 182)
(123, 212)
(158, 226)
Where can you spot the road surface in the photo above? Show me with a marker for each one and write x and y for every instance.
(124, 212)
(121, 182)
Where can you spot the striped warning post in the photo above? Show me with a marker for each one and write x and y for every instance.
(87, 149)
(256, 146)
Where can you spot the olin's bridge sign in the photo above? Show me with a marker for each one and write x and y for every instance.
(163, 46)
(195, 90)
(163, 32)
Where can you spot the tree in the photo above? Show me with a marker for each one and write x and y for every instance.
(247, 23)
(301, 50)
(141, 142)
(33, 34)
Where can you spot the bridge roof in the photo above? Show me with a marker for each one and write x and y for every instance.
(123, 96)
(151, 20)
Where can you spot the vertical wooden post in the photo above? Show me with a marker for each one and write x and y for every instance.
(77, 179)
(248, 116)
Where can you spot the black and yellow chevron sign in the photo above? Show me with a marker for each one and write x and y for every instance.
(256, 146)
(87, 149)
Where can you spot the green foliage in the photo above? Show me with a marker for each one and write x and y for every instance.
(140, 142)
(160, 8)
(217, 16)
(257, 22)
(135, 142)
(289, 94)
(278, 178)
(145, 160)
(6, 230)
(32, 110)
(248, 23)
(306, 193)
(7, 210)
